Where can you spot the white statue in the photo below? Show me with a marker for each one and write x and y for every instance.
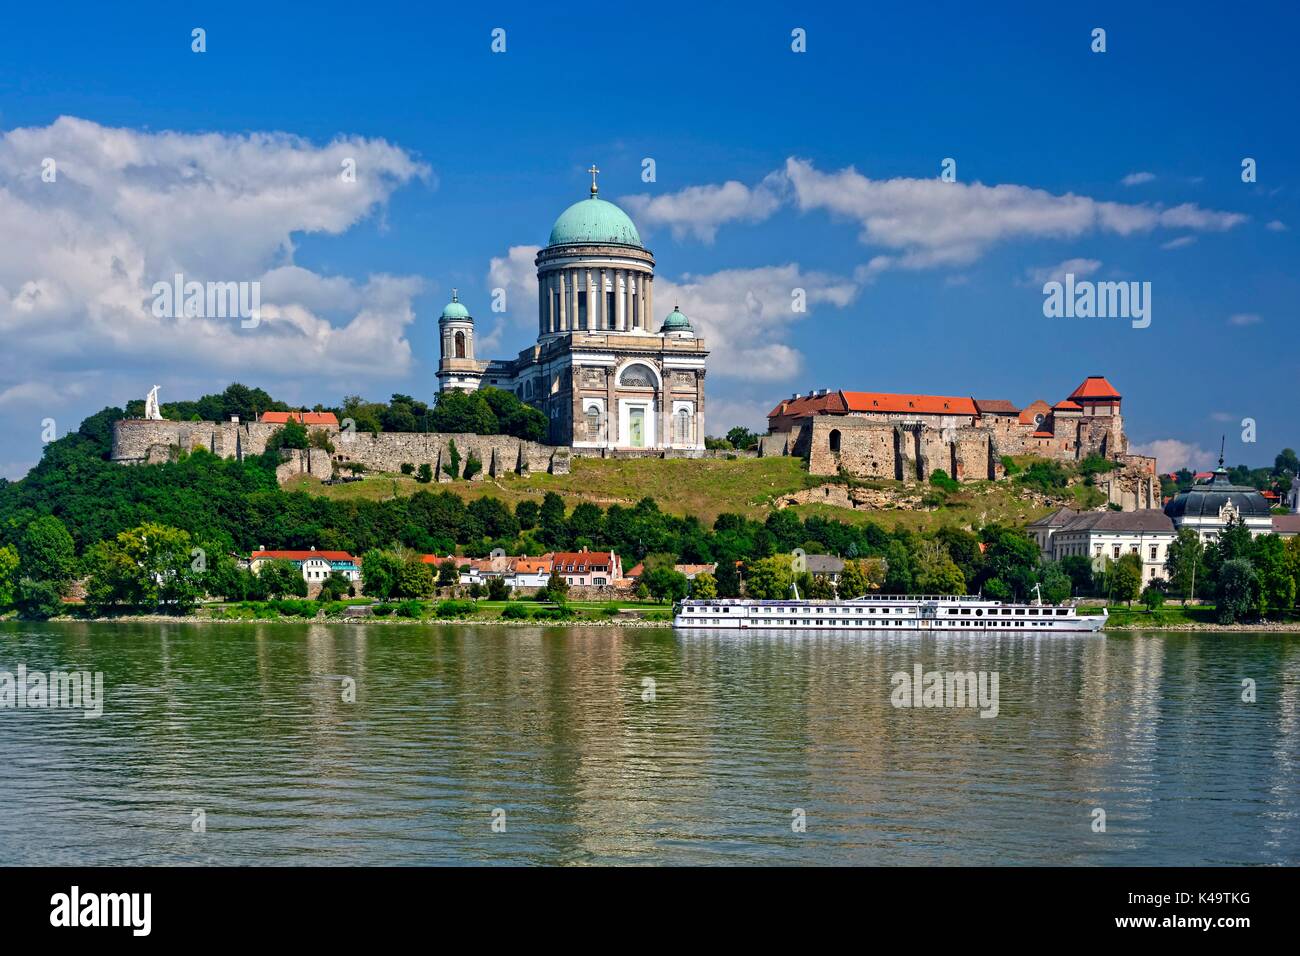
(151, 410)
(1295, 495)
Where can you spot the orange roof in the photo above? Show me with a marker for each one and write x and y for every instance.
(303, 418)
(586, 559)
(532, 565)
(1095, 387)
(434, 559)
(831, 403)
(921, 404)
(1036, 407)
(301, 556)
(1042, 434)
(1067, 405)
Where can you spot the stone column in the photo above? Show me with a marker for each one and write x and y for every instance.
(633, 299)
(611, 410)
(564, 318)
(638, 301)
(649, 322)
(665, 409)
(541, 306)
(699, 407)
(600, 294)
(618, 300)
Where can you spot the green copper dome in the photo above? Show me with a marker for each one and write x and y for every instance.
(676, 322)
(594, 220)
(454, 310)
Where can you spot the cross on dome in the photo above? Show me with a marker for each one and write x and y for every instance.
(593, 170)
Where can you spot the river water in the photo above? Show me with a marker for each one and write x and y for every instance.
(481, 745)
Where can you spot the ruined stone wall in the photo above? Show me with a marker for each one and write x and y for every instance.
(142, 441)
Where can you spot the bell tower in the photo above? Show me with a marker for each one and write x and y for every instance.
(457, 367)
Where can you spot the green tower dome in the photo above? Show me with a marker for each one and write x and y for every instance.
(454, 310)
(676, 322)
(594, 220)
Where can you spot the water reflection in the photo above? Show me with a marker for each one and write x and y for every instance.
(251, 724)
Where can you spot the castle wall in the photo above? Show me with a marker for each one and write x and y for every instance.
(143, 441)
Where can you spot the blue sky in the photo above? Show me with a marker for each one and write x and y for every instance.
(214, 163)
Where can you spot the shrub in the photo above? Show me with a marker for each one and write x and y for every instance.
(425, 474)
(409, 609)
(456, 608)
(940, 479)
(382, 610)
(515, 612)
(554, 614)
(408, 468)
(472, 466)
(452, 468)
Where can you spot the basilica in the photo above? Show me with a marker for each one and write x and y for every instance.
(605, 371)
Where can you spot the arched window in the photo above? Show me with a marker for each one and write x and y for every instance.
(683, 423)
(637, 376)
(460, 345)
(835, 439)
(593, 423)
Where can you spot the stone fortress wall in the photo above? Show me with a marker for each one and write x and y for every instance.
(885, 448)
(147, 441)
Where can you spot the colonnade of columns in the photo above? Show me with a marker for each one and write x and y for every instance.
(558, 290)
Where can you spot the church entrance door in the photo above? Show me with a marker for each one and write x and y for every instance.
(636, 427)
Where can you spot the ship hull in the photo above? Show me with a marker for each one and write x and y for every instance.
(877, 614)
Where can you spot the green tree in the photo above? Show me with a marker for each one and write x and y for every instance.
(448, 573)
(282, 579)
(1126, 578)
(1236, 594)
(458, 411)
(1277, 587)
(1078, 568)
(1056, 585)
(8, 575)
(769, 578)
(1153, 595)
(665, 584)
(527, 512)
(334, 588)
(47, 562)
(424, 474)
(728, 578)
(497, 589)
(704, 586)
(556, 590)
(379, 572)
(148, 567)
(1185, 562)
(415, 578)
(936, 572)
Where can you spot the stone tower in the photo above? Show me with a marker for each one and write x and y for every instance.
(457, 367)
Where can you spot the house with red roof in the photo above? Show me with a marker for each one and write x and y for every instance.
(588, 568)
(316, 566)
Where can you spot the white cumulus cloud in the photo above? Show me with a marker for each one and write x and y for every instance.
(1171, 454)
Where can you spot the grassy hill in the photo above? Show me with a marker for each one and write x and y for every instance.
(706, 488)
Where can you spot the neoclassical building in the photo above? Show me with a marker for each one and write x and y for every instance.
(603, 369)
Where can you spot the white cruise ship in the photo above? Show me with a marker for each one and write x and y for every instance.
(886, 612)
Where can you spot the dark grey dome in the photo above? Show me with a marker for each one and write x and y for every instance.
(1208, 498)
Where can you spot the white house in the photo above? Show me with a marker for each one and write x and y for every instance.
(316, 566)
(1102, 535)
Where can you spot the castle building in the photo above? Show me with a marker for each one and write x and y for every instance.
(605, 372)
(909, 437)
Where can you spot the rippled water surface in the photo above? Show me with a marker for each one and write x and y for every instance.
(249, 724)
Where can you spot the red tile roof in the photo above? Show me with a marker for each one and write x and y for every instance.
(1067, 405)
(304, 418)
(996, 406)
(1036, 407)
(831, 403)
(301, 556)
(587, 560)
(1043, 434)
(920, 404)
(1286, 524)
(1095, 387)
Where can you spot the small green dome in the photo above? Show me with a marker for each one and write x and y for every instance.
(594, 220)
(676, 322)
(454, 310)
